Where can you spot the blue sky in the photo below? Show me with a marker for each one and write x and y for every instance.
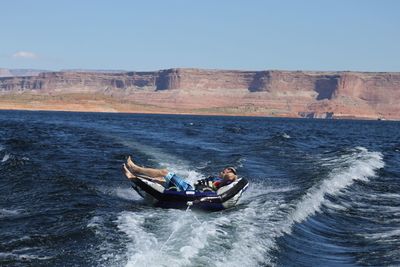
(359, 35)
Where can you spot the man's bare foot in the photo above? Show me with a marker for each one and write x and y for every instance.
(132, 166)
(127, 173)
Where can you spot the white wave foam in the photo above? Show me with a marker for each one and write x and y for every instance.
(368, 207)
(9, 213)
(361, 166)
(385, 196)
(140, 242)
(163, 238)
(23, 257)
(334, 206)
(5, 158)
(126, 193)
(257, 189)
(264, 220)
(197, 241)
(240, 161)
(242, 237)
(203, 165)
(23, 238)
(254, 235)
(393, 234)
(95, 222)
(107, 251)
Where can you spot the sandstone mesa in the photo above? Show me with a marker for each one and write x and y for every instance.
(359, 95)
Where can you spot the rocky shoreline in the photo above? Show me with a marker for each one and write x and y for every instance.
(297, 94)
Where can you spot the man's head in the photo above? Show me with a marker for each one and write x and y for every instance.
(229, 173)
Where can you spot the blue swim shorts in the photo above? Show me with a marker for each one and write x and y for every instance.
(171, 179)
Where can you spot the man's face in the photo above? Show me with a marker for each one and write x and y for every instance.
(225, 171)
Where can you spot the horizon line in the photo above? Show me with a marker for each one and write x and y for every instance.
(116, 70)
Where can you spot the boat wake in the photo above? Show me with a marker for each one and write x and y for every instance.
(263, 221)
(244, 236)
(361, 165)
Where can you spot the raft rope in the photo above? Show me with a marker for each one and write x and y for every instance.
(175, 230)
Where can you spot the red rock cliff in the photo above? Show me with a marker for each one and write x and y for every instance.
(270, 93)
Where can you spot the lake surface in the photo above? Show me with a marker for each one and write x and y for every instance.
(322, 192)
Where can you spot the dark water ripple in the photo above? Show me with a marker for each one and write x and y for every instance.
(322, 193)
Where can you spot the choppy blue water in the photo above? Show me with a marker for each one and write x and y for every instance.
(322, 192)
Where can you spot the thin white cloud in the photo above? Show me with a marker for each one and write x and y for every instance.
(25, 54)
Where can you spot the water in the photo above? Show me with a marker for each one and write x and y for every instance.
(322, 192)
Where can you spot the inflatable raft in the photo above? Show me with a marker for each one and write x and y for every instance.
(224, 198)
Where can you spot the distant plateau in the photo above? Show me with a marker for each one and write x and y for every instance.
(272, 93)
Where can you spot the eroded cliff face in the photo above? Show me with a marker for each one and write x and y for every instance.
(266, 93)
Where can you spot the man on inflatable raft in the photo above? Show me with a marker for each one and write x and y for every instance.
(166, 189)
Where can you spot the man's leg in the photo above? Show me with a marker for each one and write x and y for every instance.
(159, 175)
(127, 173)
(155, 173)
(131, 176)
